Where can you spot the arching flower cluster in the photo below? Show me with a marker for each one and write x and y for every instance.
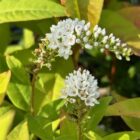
(67, 33)
(81, 85)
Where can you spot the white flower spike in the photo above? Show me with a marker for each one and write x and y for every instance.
(81, 85)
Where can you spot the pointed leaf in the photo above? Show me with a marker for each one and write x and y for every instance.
(41, 127)
(4, 80)
(127, 108)
(132, 135)
(97, 113)
(89, 10)
(24, 10)
(68, 129)
(6, 120)
(19, 89)
(50, 83)
(20, 132)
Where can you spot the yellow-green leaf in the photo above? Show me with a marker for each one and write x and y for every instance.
(89, 10)
(28, 38)
(25, 10)
(4, 80)
(5, 123)
(127, 108)
(20, 132)
(130, 135)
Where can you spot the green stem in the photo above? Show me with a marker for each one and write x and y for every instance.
(79, 122)
(79, 130)
(34, 76)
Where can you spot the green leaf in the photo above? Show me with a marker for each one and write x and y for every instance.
(128, 108)
(129, 111)
(12, 48)
(132, 14)
(17, 69)
(5, 37)
(5, 107)
(89, 10)
(118, 25)
(133, 123)
(24, 10)
(19, 89)
(6, 120)
(20, 132)
(41, 127)
(50, 83)
(3, 65)
(52, 109)
(39, 27)
(28, 39)
(132, 135)
(115, 5)
(68, 129)
(4, 80)
(65, 137)
(24, 56)
(92, 136)
(97, 113)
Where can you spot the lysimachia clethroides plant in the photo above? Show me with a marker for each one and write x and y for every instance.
(80, 92)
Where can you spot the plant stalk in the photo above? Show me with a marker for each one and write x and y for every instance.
(79, 130)
(34, 77)
(79, 120)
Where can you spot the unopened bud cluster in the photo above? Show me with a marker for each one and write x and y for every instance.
(81, 85)
(111, 43)
(43, 56)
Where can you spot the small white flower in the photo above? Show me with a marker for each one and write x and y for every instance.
(115, 47)
(88, 46)
(105, 38)
(69, 40)
(106, 46)
(103, 32)
(129, 51)
(91, 101)
(96, 44)
(113, 39)
(119, 57)
(88, 33)
(96, 35)
(124, 45)
(118, 40)
(125, 49)
(99, 31)
(78, 41)
(128, 58)
(111, 35)
(95, 28)
(72, 100)
(87, 26)
(102, 50)
(78, 29)
(118, 44)
(85, 39)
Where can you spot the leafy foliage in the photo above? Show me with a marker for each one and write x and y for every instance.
(30, 104)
